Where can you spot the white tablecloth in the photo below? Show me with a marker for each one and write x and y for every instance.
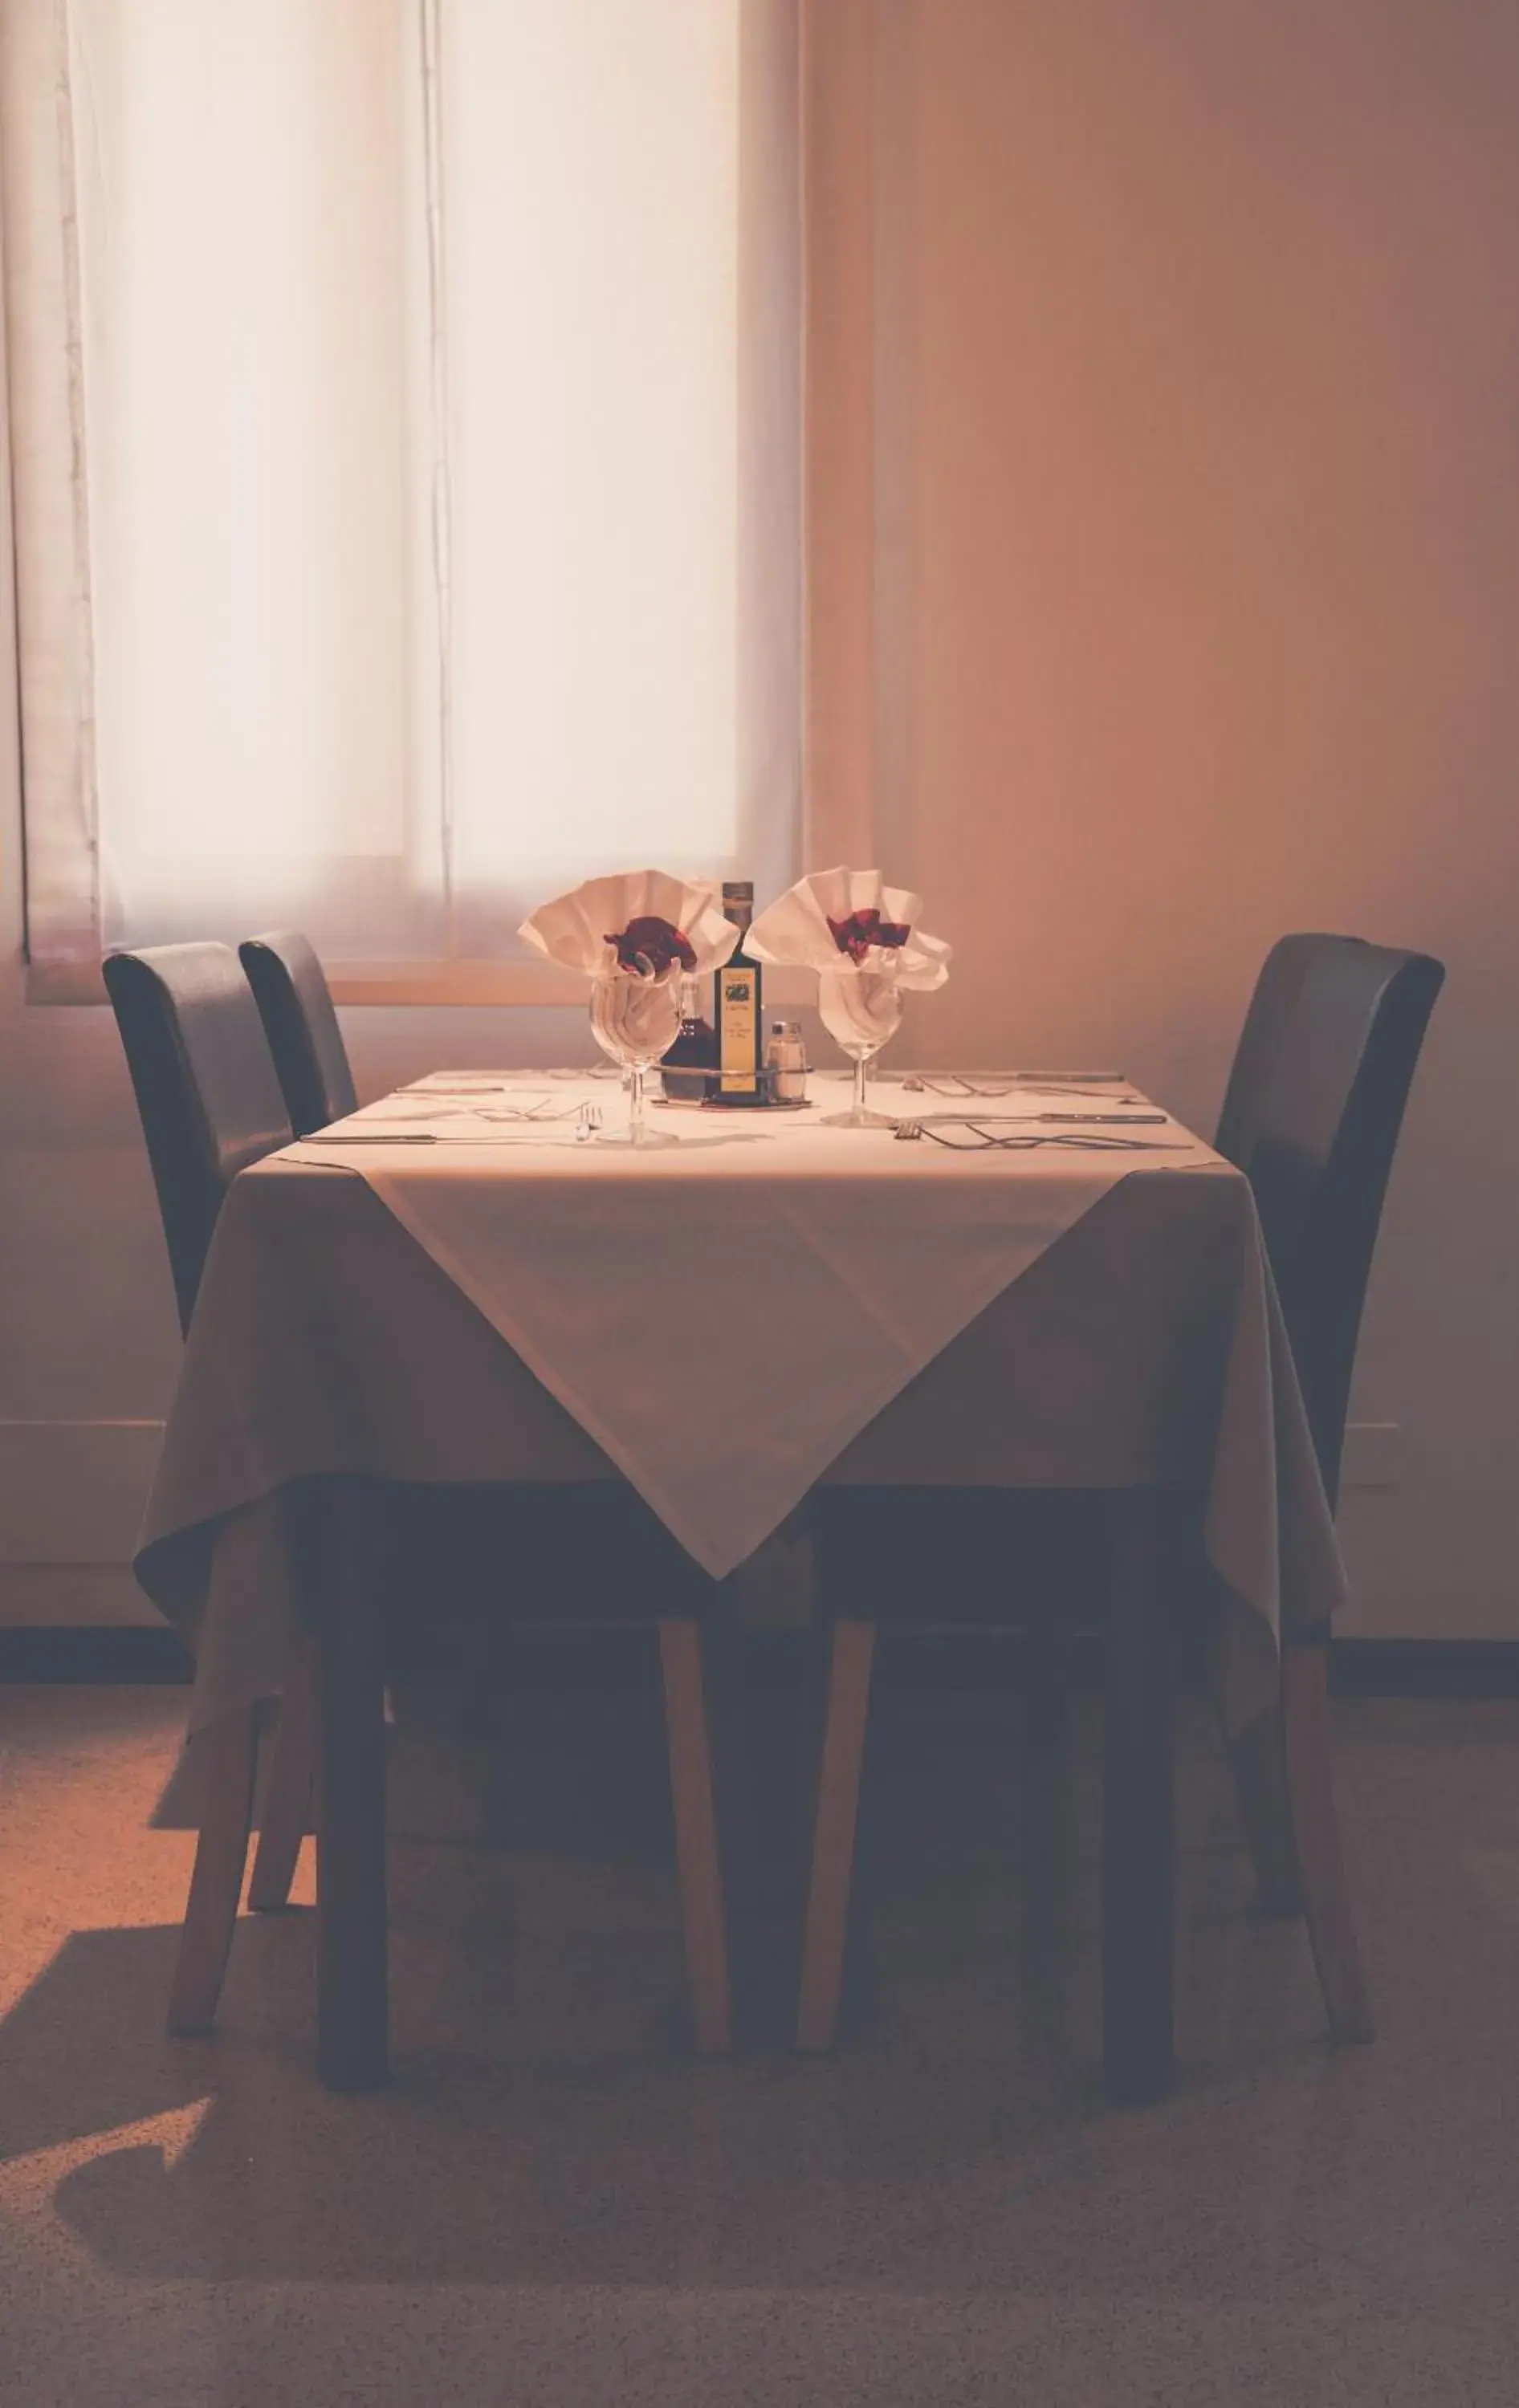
(723, 1315)
(726, 1322)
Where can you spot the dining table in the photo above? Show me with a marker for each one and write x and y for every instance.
(1027, 1280)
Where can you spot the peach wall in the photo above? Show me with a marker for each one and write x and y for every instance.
(1193, 525)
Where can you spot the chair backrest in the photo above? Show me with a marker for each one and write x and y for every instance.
(206, 1087)
(309, 1055)
(1276, 989)
(1325, 1105)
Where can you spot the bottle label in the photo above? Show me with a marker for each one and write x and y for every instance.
(739, 1031)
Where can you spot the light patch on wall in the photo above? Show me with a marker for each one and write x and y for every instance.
(74, 1492)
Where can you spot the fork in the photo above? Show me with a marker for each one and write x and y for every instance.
(1074, 1120)
(1090, 1143)
(1037, 1082)
(544, 1109)
(587, 1123)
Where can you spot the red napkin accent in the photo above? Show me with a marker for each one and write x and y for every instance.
(654, 941)
(861, 929)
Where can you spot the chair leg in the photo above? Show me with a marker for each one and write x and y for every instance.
(827, 1928)
(697, 1855)
(287, 1806)
(1259, 1759)
(230, 1749)
(1138, 1835)
(353, 2014)
(1331, 1929)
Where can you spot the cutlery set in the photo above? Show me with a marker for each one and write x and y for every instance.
(586, 1117)
(962, 1133)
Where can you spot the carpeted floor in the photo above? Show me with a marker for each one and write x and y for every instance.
(554, 2203)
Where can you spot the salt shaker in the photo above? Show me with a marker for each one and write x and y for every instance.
(785, 1059)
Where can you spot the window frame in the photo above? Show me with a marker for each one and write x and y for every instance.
(775, 41)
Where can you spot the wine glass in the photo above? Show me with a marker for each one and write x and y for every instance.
(635, 1021)
(861, 1009)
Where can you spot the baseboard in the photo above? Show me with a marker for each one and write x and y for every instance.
(93, 1652)
(1358, 1667)
(74, 1596)
(621, 1657)
(1426, 1668)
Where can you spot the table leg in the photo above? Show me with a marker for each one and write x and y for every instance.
(759, 1755)
(736, 1767)
(1047, 1784)
(351, 2001)
(1137, 1837)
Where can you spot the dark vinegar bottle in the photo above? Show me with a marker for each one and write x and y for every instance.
(736, 1012)
(689, 1070)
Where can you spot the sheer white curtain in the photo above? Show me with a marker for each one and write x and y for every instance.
(406, 430)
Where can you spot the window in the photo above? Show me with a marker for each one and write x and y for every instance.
(406, 449)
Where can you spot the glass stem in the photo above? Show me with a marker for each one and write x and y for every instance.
(635, 1106)
(860, 1061)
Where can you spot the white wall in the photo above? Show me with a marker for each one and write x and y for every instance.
(1165, 593)
(1176, 424)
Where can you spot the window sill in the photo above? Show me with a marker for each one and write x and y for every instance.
(476, 983)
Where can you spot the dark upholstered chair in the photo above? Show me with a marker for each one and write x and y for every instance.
(1316, 1140)
(291, 990)
(211, 1104)
(206, 1087)
(1313, 1115)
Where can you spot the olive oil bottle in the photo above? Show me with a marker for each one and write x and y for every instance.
(736, 1012)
